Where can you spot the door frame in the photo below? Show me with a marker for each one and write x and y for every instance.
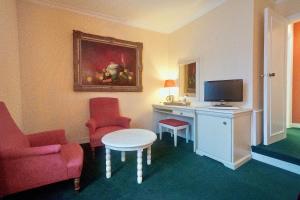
(267, 139)
(290, 56)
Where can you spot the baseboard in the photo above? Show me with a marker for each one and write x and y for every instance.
(277, 163)
(257, 127)
(83, 140)
(242, 161)
(230, 165)
(295, 125)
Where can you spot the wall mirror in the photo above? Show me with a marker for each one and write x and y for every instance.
(189, 75)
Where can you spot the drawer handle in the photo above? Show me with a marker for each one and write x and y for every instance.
(224, 123)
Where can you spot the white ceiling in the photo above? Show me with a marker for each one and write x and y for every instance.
(158, 15)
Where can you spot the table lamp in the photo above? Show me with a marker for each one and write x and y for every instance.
(169, 84)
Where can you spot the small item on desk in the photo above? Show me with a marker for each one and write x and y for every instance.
(178, 103)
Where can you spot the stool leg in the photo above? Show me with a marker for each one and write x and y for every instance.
(171, 132)
(175, 137)
(160, 131)
(187, 134)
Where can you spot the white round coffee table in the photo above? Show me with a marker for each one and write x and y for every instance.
(129, 140)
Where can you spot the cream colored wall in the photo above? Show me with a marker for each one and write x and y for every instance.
(222, 39)
(46, 55)
(10, 91)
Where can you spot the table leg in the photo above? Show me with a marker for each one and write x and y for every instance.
(108, 163)
(139, 166)
(123, 158)
(149, 155)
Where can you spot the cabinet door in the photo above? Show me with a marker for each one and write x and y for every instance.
(215, 136)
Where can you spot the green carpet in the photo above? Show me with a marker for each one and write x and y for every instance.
(175, 173)
(287, 149)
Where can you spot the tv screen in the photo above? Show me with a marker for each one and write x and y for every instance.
(224, 90)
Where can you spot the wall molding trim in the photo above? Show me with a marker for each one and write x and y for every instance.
(277, 163)
(294, 18)
(182, 23)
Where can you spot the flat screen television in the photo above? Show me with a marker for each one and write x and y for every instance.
(223, 90)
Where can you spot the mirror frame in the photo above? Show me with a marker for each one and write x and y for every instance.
(182, 62)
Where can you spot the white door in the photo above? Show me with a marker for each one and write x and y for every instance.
(275, 65)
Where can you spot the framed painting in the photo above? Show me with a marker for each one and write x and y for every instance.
(189, 78)
(106, 64)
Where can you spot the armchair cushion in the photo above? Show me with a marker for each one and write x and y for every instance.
(31, 161)
(73, 155)
(104, 111)
(29, 151)
(91, 124)
(47, 138)
(11, 136)
(95, 139)
(104, 118)
(123, 121)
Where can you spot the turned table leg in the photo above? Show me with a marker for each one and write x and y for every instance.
(108, 163)
(149, 155)
(139, 166)
(123, 158)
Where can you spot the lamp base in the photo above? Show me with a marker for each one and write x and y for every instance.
(170, 98)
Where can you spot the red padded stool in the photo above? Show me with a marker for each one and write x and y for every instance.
(175, 125)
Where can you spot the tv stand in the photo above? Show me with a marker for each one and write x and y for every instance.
(224, 108)
(223, 135)
(222, 104)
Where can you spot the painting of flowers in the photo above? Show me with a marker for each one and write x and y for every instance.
(190, 78)
(106, 64)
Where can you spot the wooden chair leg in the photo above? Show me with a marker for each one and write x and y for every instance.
(77, 184)
(93, 152)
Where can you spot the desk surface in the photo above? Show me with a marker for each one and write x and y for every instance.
(199, 108)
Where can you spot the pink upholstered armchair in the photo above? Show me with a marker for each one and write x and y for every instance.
(29, 161)
(104, 118)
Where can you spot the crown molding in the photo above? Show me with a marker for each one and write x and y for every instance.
(102, 16)
(76, 10)
(278, 1)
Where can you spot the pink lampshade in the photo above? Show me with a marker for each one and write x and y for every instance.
(169, 83)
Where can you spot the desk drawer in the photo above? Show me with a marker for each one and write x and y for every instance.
(183, 113)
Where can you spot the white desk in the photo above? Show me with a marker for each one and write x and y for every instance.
(185, 113)
(223, 135)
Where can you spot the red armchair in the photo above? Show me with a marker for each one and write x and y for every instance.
(104, 118)
(29, 161)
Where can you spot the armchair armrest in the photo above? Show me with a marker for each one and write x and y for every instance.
(91, 124)
(123, 121)
(47, 138)
(30, 151)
